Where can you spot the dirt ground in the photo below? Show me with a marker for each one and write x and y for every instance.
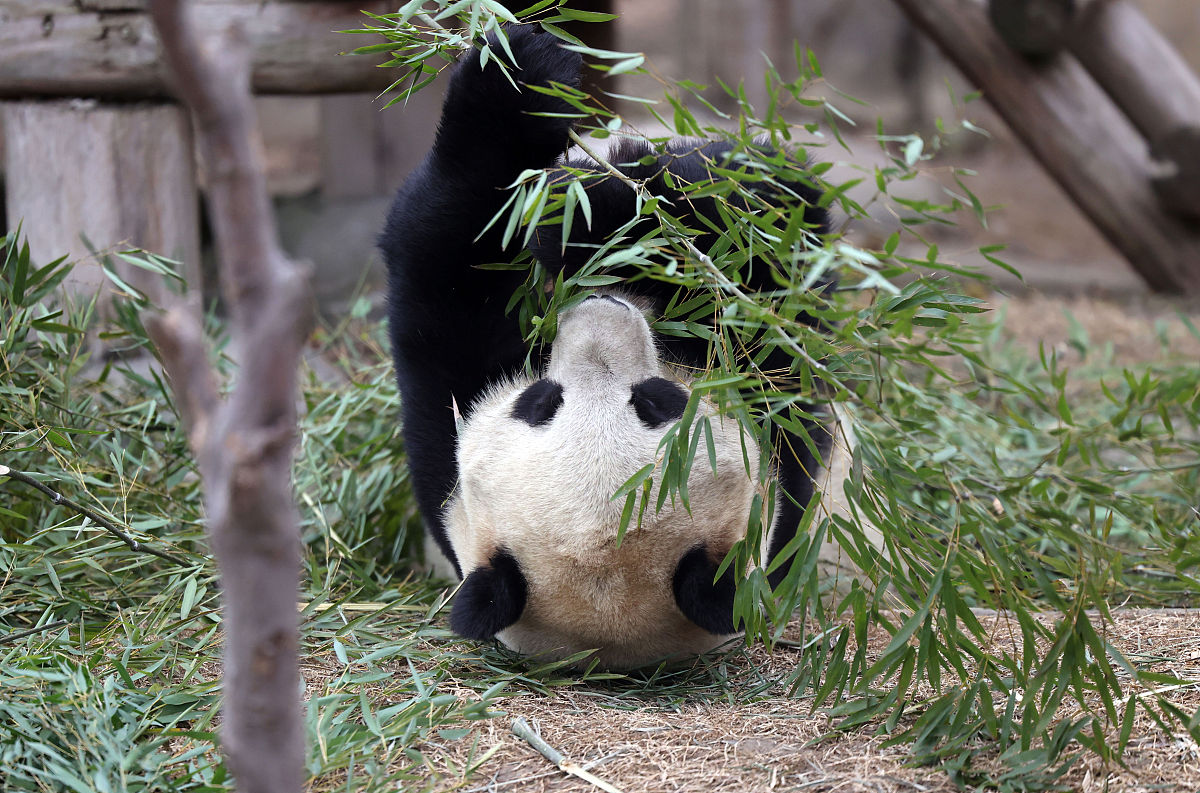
(1136, 327)
(776, 744)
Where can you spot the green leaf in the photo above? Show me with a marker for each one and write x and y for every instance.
(584, 16)
(189, 598)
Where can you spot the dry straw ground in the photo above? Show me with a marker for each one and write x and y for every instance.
(777, 744)
(733, 728)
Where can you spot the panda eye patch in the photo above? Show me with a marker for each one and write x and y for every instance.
(538, 403)
(658, 401)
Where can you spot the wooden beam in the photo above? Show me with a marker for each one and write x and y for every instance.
(1137, 66)
(1152, 84)
(1134, 63)
(1077, 134)
(109, 49)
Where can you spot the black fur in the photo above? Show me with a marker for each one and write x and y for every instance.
(490, 599)
(658, 401)
(450, 334)
(709, 605)
(538, 403)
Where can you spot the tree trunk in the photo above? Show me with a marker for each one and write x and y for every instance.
(243, 443)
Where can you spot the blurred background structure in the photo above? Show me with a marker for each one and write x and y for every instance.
(334, 158)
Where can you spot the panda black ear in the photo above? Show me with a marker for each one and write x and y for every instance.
(490, 599)
(709, 605)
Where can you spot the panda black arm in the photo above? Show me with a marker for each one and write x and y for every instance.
(488, 134)
(449, 333)
(491, 125)
(490, 599)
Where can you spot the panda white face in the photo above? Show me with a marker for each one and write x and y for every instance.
(533, 522)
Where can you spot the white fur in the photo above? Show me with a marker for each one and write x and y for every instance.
(545, 494)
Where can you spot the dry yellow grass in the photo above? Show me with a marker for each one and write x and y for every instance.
(654, 745)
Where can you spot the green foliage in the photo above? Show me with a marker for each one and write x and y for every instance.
(999, 481)
(68, 728)
(357, 509)
(995, 482)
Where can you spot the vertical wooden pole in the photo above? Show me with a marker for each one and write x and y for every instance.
(694, 55)
(756, 41)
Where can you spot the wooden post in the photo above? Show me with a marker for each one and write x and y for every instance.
(119, 171)
(121, 174)
(1135, 64)
(367, 151)
(756, 37)
(1080, 138)
(694, 55)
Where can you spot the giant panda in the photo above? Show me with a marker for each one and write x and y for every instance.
(514, 474)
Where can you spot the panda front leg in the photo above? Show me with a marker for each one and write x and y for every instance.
(489, 132)
(497, 125)
(798, 473)
(449, 332)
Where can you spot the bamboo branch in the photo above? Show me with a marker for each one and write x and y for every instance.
(18, 635)
(722, 281)
(95, 517)
(525, 732)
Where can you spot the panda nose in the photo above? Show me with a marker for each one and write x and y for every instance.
(609, 298)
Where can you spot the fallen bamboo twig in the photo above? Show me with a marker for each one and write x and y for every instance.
(523, 730)
(112, 528)
(49, 626)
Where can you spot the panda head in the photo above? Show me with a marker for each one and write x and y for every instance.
(534, 524)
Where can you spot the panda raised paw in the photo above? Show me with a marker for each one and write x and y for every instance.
(515, 124)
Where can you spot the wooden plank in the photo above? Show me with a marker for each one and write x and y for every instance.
(1078, 136)
(109, 49)
(122, 175)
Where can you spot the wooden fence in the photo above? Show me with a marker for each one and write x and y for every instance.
(94, 143)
